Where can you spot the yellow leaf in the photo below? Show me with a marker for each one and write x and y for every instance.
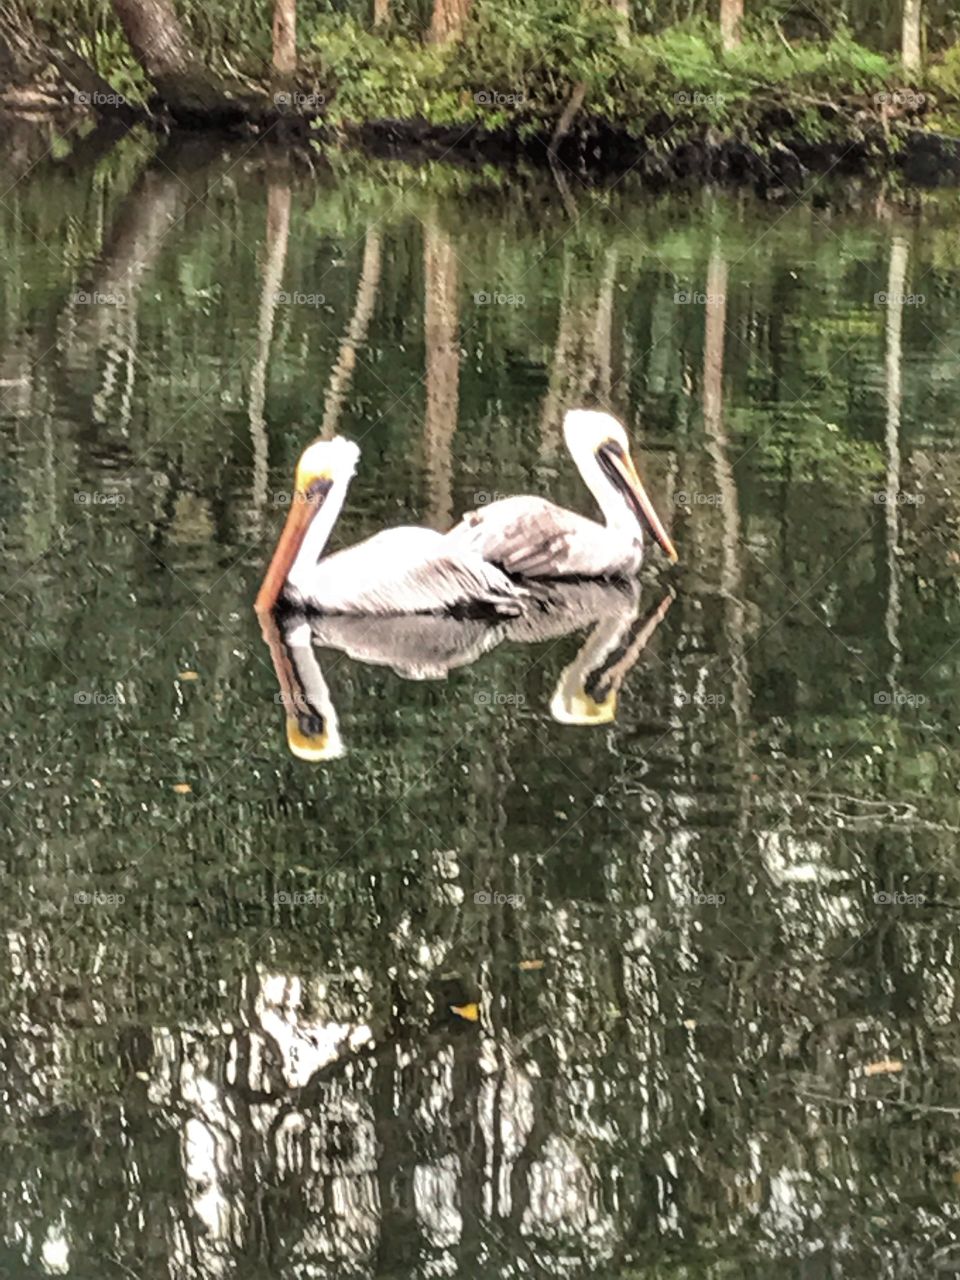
(470, 1012)
(182, 788)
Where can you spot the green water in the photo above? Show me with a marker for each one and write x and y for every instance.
(704, 1045)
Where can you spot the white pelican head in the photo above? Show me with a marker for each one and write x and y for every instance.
(324, 466)
(599, 446)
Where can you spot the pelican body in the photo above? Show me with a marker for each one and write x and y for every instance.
(399, 571)
(530, 537)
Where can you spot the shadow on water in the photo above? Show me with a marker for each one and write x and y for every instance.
(493, 995)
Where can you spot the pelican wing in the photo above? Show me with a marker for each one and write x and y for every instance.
(533, 538)
(404, 571)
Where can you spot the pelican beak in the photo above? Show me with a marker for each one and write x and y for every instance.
(313, 737)
(618, 465)
(309, 492)
(575, 706)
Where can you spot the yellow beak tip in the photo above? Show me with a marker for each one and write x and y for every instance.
(312, 746)
(581, 709)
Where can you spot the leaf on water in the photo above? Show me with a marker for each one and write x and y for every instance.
(469, 1012)
(182, 788)
(886, 1067)
(188, 675)
(527, 966)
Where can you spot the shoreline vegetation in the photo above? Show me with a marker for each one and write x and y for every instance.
(588, 87)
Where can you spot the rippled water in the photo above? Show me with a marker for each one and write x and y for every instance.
(489, 995)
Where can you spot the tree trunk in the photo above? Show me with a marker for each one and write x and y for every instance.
(896, 287)
(622, 9)
(731, 544)
(448, 20)
(381, 12)
(285, 37)
(911, 34)
(154, 34)
(194, 96)
(441, 324)
(274, 260)
(731, 15)
(342, 372)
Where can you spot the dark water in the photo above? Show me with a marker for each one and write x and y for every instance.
(712, 1028)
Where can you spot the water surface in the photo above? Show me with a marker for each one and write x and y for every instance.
(488, 996)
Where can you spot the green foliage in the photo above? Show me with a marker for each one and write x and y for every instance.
(371, 77)
(946, 74)
(517, 65)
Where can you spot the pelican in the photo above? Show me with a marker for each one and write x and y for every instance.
(530, 537)
(399, 571)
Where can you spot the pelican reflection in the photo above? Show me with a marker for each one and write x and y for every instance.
(429, 647)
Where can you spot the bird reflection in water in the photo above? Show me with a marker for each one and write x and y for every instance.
(429, 647)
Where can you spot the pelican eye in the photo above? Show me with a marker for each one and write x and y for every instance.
(317, 489)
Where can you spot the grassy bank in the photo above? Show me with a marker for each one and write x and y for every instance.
(563, 73)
